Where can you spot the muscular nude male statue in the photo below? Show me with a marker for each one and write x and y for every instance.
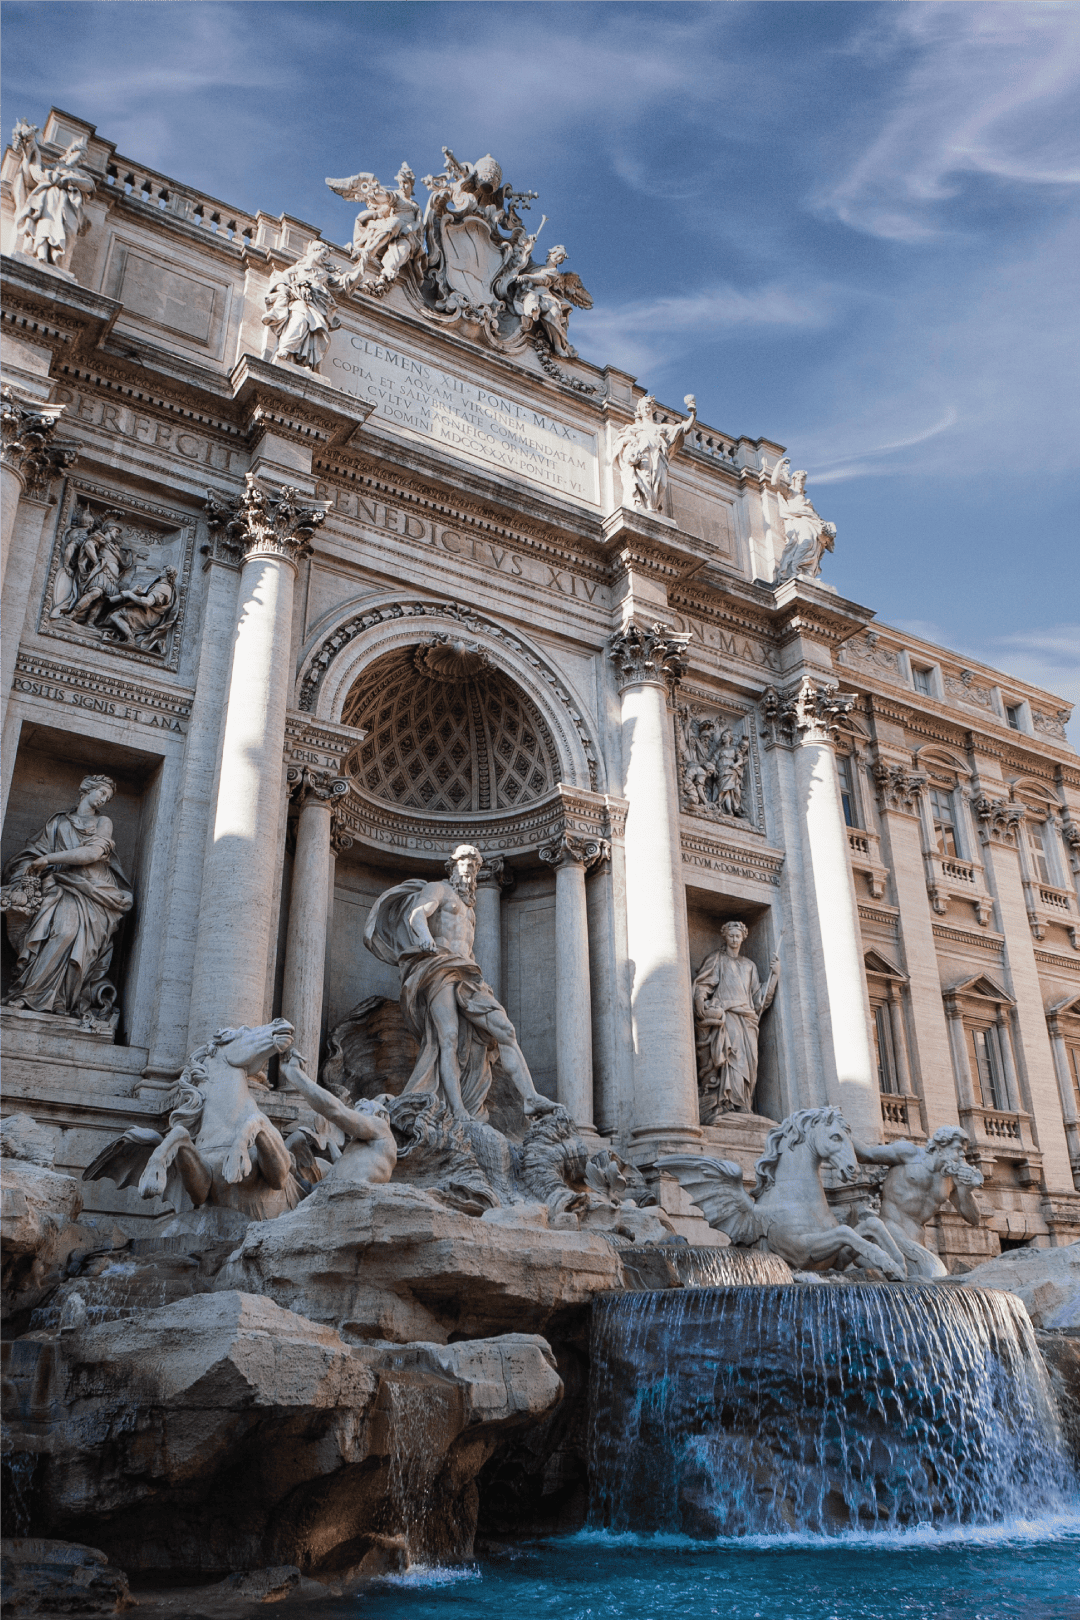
(919, 1182)
(426, 930)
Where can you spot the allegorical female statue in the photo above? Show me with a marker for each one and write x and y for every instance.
(300, 308)
(50, 199)
(642, 451)
(65, 896)
(728, 1003)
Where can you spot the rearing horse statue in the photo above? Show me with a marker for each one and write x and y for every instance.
(220, 1147)
(787, 1211)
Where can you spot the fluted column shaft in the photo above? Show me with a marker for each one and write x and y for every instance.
(242, 875)
(487, 943)
(570, 857)
(309, 912)
(666, 1110)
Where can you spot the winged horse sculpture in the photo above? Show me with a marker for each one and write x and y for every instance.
(787, 1211)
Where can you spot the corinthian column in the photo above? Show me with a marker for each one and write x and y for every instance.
(271, 531)
(807, 721)
(571, 856)
(30, 459)
(309, 908)
(665, 1113)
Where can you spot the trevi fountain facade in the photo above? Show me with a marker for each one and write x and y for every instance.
(485, 919)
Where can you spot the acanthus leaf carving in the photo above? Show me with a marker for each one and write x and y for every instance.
(999, 819)
(656, 655)
(28, 443)
(810, 713)
(898, 787)
(264, 523)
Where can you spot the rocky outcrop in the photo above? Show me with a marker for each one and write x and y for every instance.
(57, 1577)
(39, 1210)
(394, 1263)
(1047, 1280)
(223, 1432)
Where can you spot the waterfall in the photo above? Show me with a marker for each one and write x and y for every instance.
(760, 1410)
(727, 1268)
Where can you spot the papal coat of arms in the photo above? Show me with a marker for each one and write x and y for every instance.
(466, 259)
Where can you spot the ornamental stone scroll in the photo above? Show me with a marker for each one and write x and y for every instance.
(898, 787)
(999, 819)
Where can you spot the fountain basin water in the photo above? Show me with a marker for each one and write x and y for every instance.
(759, 1410)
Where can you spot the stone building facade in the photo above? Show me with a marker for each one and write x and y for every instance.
(327, 595)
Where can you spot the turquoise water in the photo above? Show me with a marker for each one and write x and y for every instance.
(1019, 1572)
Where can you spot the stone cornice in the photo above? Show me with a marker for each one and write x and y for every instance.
(296, 406)
(963, 936)
(573, 812)
(62, 314)
(713, 853)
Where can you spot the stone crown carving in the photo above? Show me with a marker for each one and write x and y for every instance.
(898, 788)
(656, 655)
(812, 713)
(263, 523)
(28, 443)
(467, 259)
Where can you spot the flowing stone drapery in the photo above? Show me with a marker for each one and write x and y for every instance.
(309, 908)
(665, 1078)
(570, 857)
(272, 532)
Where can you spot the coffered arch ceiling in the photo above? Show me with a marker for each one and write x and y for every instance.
(448, 732)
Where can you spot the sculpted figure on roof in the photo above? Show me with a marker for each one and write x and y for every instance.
(387, 234)
(807, 538)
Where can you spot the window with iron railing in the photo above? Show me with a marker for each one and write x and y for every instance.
(1038, 837)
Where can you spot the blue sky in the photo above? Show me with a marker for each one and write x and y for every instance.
(850, 227)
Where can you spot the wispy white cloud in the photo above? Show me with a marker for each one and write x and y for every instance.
(988, 90)
(650, 331)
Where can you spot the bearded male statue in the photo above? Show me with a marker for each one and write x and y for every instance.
(426, 930)
(920, 1182)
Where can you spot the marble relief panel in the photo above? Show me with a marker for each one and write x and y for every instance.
(119, 575)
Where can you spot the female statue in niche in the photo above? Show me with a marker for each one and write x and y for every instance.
(65, 895)
(728, 1003)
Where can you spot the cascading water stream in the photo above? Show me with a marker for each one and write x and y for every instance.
(763, 1410)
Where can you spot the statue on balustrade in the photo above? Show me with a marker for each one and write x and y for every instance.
(920, 1182)
(807, 538)
(300, 308)
(65, 896)
(426, 930)
(50, 199)
(729, 1001)
(643, 450)
(388, 232)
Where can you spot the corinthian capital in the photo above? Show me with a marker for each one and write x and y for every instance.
(265, 523)
(999, 819)
(656, 655)
(29, 446)
(306, 784)
(568, 847)
(899, 788)
(811, 713)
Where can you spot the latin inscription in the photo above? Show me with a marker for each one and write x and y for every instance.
(47, 681)
(480, 423)
(142, 429)
(456, 543)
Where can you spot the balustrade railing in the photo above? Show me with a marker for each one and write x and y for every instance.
(157, 191)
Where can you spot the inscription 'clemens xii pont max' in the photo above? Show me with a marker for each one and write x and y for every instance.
(421, 401)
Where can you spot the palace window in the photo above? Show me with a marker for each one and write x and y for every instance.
(845, 767)
(1014, 717)
(989, 1067)
(922, 678)
(888, 1079)
(1074, 1071)
(1038, 843)
(942, 811)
